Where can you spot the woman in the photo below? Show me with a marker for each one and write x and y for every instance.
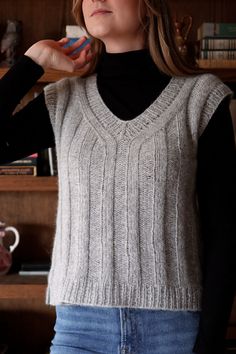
(143, 258)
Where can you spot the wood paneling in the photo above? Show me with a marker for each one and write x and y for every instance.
(41, 18)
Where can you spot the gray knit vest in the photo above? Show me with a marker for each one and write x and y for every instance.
(128, 229)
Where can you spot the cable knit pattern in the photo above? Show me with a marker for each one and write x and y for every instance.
(128, 228)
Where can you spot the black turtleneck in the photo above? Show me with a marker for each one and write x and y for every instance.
(128, 83)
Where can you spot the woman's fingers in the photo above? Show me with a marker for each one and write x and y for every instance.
(74, 48)
(83, 60)
(73, 57)
(63, 41)
(76, 55)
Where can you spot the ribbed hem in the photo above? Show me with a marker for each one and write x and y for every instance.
(123, 295)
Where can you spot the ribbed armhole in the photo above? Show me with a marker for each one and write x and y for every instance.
(217, 92)
(50, 93)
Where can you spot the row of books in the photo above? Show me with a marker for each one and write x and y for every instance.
(217, 41)
(43, 163)
(25, 166)
(218, 54)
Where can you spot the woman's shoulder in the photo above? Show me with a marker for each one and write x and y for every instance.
(207, 84)
(204, 78)
(65, 86)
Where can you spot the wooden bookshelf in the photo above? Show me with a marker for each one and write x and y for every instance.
(28, 184)
(217, 64)
(14, 286)
(30, 203)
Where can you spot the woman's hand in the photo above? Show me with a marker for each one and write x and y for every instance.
(51, 54)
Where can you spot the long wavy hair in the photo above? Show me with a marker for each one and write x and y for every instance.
(159, 38)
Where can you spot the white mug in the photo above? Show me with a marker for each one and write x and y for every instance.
(5, 254)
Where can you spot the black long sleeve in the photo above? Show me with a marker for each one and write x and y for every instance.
(28, 130)
(216, 187)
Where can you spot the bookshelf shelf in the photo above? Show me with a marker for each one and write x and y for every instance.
(226, 74)
(28, 184)
(14, 286)
(49, 75)
(55, 75)
(217, 64)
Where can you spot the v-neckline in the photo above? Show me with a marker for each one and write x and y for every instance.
(165, 105)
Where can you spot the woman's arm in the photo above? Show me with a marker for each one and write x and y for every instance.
(27, 132)
(30, 129)
(216, 188)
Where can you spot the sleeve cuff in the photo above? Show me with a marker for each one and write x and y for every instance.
(25, 70)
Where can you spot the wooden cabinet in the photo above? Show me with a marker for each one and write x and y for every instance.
(29, 203)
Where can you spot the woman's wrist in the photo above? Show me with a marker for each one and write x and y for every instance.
(37, 54)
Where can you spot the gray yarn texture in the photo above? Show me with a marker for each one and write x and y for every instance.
(128, 232)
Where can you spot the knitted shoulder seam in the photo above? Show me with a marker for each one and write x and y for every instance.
(217, 93)
(207, 93)
(55, 93)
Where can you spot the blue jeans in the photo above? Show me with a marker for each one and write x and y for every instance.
(116, 330)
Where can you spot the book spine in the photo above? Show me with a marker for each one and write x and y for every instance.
(23, 162)
(206, 29)
(226, 29)
(211, 29)
(218, 44)
(26, 161)
(218, 54)
(18, 170)
(52, 161)
(33, 272)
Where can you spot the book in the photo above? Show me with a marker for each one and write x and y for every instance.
(39, 268)
(26, 161)
(18, 170)
(24, 166)
(34, 266)
(73, 31)
(218, 54)
(52, 157)
(212, 43)
(212, 29)
(33, 272)
(47, 162)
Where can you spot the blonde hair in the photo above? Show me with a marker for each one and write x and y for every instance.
(159, 38)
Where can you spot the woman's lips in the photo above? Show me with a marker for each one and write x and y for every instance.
(100, 12)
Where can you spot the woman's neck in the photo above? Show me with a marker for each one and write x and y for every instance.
(128, 64)
(129, 82)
